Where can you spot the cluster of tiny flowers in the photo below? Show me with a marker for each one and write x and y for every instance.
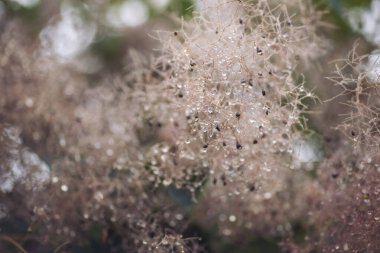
(348, 210)
(220, 110)
(93, 175)
(228, 102)
(362, 86)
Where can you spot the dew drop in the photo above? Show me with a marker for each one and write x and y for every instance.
(227, 232)
(98, 196)
(109, 152)
(29, 102)
(267, 195)
(64, 188)
(167, 182)
(232, 218)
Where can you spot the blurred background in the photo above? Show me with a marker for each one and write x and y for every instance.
(93, 37)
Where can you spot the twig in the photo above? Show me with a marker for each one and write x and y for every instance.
(13, 242)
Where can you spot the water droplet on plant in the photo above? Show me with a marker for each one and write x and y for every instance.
(232, 218)
(64, 188)
(227, 232)
(267, 195)
(109, 152)
(98, 196)
(29, 102)
(167, 182)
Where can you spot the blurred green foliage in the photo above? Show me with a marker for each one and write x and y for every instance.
(184, 8)
(108, 47)
(351, 3)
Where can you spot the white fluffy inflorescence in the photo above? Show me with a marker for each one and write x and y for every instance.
(359, 78)
(230, 100)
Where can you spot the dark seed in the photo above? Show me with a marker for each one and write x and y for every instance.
(223, 178)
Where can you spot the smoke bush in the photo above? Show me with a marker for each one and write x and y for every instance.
(217, 116)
